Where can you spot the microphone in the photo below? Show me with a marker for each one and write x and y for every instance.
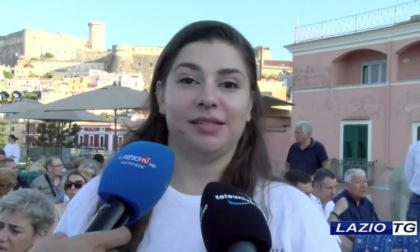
(231, 221)
(132, 183)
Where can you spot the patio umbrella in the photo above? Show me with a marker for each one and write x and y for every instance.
(19, 106)
(109, 97)
(270, 101)
(112, 97)
(61, 116)
(75, 116)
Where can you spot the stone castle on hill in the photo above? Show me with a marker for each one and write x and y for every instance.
(40, 52)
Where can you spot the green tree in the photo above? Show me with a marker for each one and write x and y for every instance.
(52, 135)
(3, 135)
(48, 55)
(32, 96)
(47, 75)
(106, 115)
(32, 75)
(8, 74)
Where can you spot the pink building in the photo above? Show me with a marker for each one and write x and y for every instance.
(357, 79)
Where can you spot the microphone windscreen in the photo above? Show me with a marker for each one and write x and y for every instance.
(138, 175)
(228, 216)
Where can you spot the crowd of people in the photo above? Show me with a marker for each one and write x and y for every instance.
(206, 106)
(29, 212)
(308, 170)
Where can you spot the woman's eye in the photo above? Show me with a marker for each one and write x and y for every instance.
(229, 84)
(14, 231)
(188, 80)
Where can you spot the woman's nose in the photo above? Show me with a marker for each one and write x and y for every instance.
(207, 97)
(3, 235)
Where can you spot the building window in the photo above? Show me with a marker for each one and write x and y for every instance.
(374, 72)
(356, 140)
(267, 93)
(101, 141)
(416, 132)
(81, 142)
(355, 147)
(91, 141)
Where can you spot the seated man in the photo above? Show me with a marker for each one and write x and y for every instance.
(324, 190)
(359, 207)
(299, 179)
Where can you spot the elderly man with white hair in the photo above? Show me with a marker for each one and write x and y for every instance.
(359, 207)
(306, 154)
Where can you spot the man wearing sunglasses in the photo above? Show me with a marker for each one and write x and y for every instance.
(51, 183)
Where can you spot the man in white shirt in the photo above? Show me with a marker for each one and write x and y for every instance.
(12, 149)
(412, 175)
(324, 189)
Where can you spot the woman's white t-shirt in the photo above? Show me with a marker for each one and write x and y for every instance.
(295, 223)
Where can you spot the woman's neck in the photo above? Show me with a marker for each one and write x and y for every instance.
(193, 171)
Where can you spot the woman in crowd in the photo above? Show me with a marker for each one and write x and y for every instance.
(77, 161)
(206, 105)
(26, 216)
(91, 166)
(8, 180)
(75, 180)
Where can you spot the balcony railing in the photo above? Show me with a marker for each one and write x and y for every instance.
(339, 167)
(386, 17)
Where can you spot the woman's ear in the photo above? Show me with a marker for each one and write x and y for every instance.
(44, 234)
(249, 113)
(251, 101)
(160, 95)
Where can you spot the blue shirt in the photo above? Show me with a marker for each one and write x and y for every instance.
(309, 159)
(362, 212)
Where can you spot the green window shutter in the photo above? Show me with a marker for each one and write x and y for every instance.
(418, 133)
(355, 142)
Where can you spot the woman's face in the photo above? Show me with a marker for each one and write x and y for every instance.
(5, 188)
(16, 232)
(206, 98)
(73, 184)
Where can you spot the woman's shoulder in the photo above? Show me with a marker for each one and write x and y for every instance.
(282, 196)
(295, 219)
(279, 190)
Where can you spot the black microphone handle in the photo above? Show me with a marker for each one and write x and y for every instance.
(110, 216)
(242, 246)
